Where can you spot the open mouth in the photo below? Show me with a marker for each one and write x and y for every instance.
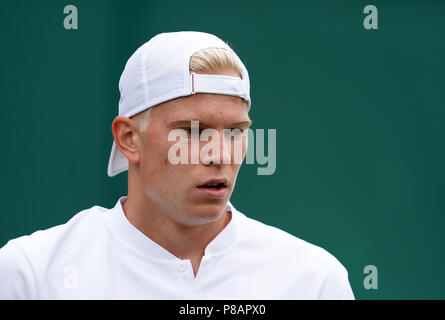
(213, 186)
(215, 189)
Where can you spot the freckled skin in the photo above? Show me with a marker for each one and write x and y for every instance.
(173, 187)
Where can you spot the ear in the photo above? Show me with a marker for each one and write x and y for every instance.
(126, 137)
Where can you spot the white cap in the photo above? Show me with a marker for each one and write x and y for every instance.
(159, 71)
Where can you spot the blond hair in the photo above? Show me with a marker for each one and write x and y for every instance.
(209, 60)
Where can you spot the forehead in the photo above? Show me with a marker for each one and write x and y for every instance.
(213, 109)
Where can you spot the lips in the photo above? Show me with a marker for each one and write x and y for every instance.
(214, 188)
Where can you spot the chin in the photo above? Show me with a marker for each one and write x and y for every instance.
(206, 212)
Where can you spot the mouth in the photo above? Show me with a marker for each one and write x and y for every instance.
(215, 188)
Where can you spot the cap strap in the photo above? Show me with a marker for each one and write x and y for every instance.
(220, 84)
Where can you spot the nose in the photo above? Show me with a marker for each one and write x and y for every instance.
(217, 152)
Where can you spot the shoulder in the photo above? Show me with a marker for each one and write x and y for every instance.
(23, 260)
(271, 238)
(16, 275)
(78, 227)
(294, 257)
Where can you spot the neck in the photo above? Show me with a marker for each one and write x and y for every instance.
(183, 241)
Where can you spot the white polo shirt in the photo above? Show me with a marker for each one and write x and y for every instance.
(99, 254)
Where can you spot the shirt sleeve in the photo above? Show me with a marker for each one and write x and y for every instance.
(16, 275)
(348, 294)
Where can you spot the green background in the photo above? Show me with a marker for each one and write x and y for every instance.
(359, 117)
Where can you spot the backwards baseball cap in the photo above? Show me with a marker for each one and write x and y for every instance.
(158, 71)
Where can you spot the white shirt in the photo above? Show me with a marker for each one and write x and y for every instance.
(99, 254)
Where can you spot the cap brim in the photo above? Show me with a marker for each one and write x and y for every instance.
(118, 162)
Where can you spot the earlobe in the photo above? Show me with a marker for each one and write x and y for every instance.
(126, 136)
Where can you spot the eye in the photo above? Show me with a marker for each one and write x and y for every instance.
(236, 132)
(189, 130)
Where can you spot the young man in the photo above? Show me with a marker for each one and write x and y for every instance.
(176, 235)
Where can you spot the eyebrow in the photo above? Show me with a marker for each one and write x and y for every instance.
(188, 121)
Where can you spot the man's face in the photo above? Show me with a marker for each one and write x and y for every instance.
(176, 188)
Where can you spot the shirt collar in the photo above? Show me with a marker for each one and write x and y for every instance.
(125, 231)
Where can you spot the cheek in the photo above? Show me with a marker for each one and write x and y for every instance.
(162, 180)
(159, 168)
(153, 160)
